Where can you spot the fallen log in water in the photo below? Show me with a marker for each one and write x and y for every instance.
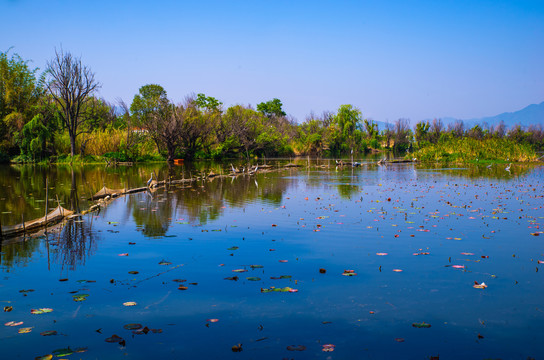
(53, 217)
(59, 213)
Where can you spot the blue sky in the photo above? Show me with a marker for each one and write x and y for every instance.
(392, 59)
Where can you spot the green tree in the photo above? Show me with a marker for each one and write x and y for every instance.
(422, 131)
(19, 92)
(272, 108)
(145, 105)
(207, 103)
(349, 120)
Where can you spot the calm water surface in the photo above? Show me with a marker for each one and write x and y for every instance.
(400, 228)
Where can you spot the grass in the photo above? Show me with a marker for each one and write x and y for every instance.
(469, 150)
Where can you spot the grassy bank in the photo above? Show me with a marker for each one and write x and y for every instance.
(467, 150)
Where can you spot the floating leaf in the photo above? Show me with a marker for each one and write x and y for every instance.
(328, 347)
(163, 262)
(239, 270)
(274, 289)
(237, 348)
(235, 278)
(8, 308)
(13, 323)
(458, 266)
(233, 248)
(41, 311)
(212, 320)
(283, 261)
(114, 339)
(130, 303)
(123, 254)
(281, 277)
(132, 326)
(421, 325)
(253, 278)
(349, 273)
(479, 286)
(80, 297)
(45, 357)
(48, 333)
(25, 330)
(256, 266)
(397, 270)
(381, 254)
(63, 352)
(133, 272)
(296, 347)
(182, 287)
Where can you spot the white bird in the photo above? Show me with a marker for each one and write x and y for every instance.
(489, 166)
(232, 168)
(150, 180)
(508, 167)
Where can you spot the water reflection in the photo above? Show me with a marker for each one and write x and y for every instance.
(23, 190)
(74, 243)
(17, 252)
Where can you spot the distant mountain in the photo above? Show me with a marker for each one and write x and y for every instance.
(532, 114)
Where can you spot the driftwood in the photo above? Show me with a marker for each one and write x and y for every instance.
(60, 213)
(53, 217)
(102, 193)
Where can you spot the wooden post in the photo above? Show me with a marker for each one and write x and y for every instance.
(60, 208)
(24, 227)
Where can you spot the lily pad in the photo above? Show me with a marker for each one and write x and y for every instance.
(421, 325)
(114, 339)
(48, 333)
(274, 289)
(63, 352)
(296, 347)
(80, 297)
(45, 357)
(41, 311)
(132, 326)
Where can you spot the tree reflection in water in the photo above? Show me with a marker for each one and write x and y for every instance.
(75, 242)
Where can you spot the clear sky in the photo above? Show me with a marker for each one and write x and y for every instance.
(408, 58)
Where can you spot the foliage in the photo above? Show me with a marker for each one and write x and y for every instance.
(271, 108)
(19, 92)
(463, 150)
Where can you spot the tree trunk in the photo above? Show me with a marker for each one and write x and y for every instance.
(171, 152)
(72, 145)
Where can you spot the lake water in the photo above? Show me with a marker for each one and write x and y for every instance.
(361, 254)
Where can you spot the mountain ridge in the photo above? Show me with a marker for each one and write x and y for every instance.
(529, 115)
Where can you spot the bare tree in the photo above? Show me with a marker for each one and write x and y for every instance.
(499, 130)
(401, 134)
(436, 130)
(70, 83)
(457, 129)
